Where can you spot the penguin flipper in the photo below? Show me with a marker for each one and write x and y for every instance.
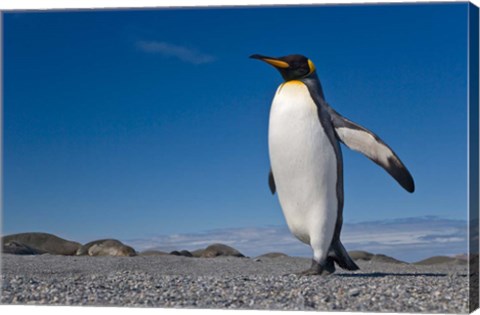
(271, 183)
(366, 142)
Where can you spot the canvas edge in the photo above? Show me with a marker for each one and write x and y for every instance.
(473, 156)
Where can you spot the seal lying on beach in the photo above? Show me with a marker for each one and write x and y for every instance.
(38, 243)
(273, 255)
(108, 247)
(184, 253)
(366, 256)
(215, 250)
(16, 248)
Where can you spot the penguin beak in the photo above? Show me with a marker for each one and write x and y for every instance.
(277, 63)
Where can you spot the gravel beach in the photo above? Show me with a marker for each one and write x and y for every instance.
(230, 282)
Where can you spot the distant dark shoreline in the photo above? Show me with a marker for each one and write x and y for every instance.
(36, 243)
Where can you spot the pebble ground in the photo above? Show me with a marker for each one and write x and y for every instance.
(231, 283)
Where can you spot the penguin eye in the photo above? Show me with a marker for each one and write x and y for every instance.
(302, 68)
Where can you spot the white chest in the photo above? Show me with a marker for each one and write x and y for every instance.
(303, 161)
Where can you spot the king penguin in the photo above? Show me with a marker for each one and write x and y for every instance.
(304, 136)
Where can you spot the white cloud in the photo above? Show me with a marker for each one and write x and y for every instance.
(171, 50)
(409, 239)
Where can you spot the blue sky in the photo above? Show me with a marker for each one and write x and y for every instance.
(134, 124)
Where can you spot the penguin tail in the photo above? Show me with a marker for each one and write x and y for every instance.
(341, 257)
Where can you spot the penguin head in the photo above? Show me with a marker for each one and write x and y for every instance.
(291, 67)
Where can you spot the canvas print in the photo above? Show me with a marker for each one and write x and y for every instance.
(318, 157)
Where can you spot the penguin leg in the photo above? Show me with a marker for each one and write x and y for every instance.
(319, 269)
(322, 263)
(321, 235)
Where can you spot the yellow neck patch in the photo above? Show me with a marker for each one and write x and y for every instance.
(290, 83)
(311, 66)
(293, 82)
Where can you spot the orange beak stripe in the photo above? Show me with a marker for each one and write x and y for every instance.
(276, 63)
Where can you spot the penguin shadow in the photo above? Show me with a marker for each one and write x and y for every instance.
(389, 274)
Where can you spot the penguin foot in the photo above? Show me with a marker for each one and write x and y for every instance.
(319, 269)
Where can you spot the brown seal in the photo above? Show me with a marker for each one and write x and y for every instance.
(40, 243)
(216, 250)
(107, 247)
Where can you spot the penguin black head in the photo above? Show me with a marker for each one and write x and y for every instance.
(291, 67)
